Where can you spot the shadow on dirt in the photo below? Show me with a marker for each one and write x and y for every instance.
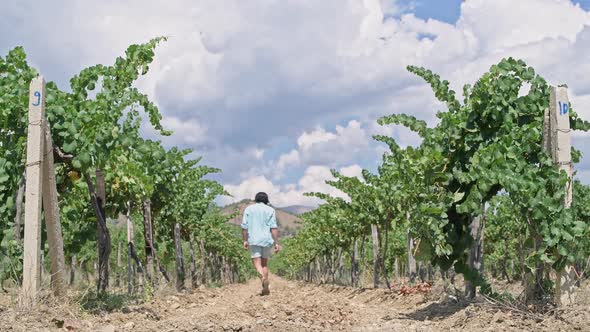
(99, 303)
(436, 311)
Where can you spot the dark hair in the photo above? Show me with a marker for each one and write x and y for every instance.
(261, 198)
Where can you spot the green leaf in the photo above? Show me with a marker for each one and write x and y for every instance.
(77, 164)
(70, 147)
(85, 158)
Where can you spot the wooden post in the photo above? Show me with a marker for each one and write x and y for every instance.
(411, 259)
(560, 137)
(203, 263)
(560, 148)
(119, 265)
(73, 270)
(180, 259)
(475, 255)
(354, 268)
(130, 271)
(340, 263)
(52, 222)
(104, 237)
(193, 267)
(148, 235)
(131, 254)
(396, 269)
(34, 189)
(376, 256)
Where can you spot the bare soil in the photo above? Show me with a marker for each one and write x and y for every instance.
(292, 306)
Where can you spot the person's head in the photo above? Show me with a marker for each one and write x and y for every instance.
(261, 198)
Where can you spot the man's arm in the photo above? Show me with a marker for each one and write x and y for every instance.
(275, 237)
(245, 229)
(274, 230)
(245, 238)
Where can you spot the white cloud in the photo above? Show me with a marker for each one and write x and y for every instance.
(352, 171)
(307, 140)
(239, 164)
(391, 7)
(288, 160)
(237, 76)
(189, 132)
(333, 148)
(503, 24)
(343, 146)
(313, 180)
(259, 153)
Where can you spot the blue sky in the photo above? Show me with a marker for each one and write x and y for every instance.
(449, 10)
(442, 10)
(276, 93)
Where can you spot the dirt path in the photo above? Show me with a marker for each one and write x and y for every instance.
(293, 306)
(290, 307)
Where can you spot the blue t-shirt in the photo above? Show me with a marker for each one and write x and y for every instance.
(259, 218)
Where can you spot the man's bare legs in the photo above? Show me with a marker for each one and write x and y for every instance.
(261, 265)
(265, 283)
(257, 261)
(264, 264)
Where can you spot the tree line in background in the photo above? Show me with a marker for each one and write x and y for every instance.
(480, 173)
(105, 169)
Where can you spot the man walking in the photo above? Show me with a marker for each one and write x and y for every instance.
(260, 235)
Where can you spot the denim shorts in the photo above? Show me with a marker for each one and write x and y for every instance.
(258, 251)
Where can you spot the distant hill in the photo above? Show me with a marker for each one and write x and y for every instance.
(288, 222)
(297, 209)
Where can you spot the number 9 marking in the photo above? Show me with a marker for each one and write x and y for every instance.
(38, 95)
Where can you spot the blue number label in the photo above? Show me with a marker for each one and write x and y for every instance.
(563, 108)
(38, 95)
